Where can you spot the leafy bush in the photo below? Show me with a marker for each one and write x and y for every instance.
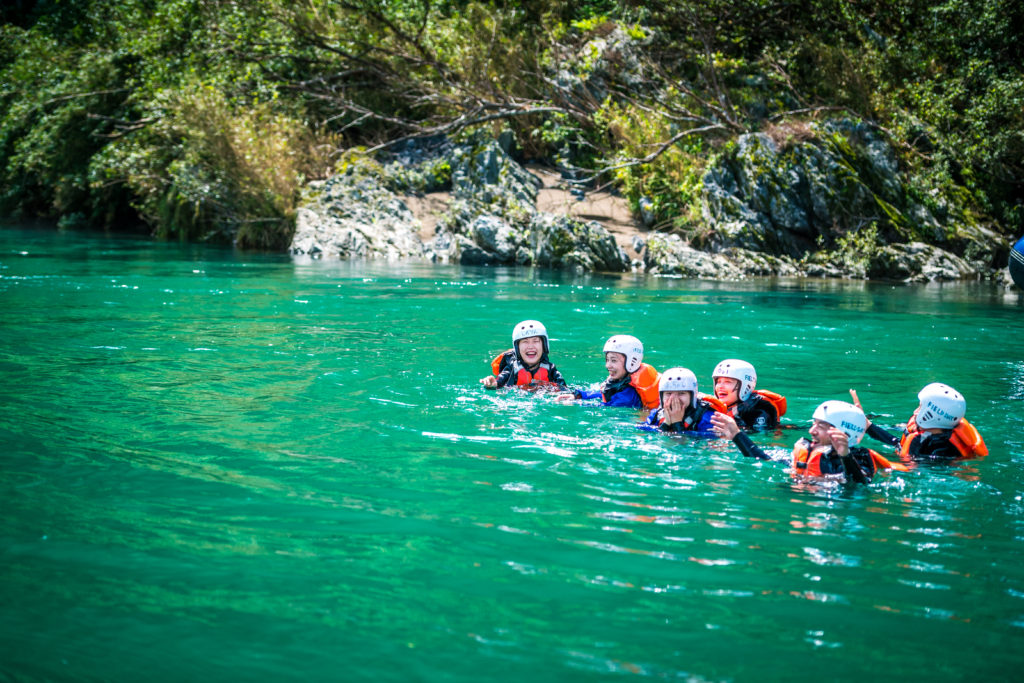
(208, 169)
(671, 182)
(206, 116)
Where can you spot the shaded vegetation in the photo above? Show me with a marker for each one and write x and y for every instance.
(204, 118)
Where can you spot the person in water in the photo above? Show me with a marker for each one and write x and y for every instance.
(937, 430)
(682, 409)
(832, 451)
(736, 386)
(526, 363)
(631, 383)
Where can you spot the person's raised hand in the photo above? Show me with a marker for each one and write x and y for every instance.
(856, 402)
(840, 442)
(724, 425)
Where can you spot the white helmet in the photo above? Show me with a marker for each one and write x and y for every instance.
(628, 346)
(942, 407)
(739, 370)
(677, 379)
(529, 328)
(844, 416)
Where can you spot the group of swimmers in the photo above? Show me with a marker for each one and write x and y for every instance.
(936, 430)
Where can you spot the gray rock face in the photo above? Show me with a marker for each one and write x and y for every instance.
(669, 255)
(918, 262)
(492, 218)
(837, 187)
(585, 73)
(349, 216)
(561, 241)
(764, 197)
(915, 262)
(829, 202)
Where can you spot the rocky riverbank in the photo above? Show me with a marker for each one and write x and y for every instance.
(818, 200)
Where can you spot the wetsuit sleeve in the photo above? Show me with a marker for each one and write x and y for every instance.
(587, 394)
(879, 434)
(504, 377)
(748, 447)
(703, 428)
(627, 398)
(650, 423)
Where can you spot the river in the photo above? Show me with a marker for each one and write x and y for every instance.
(225, 466)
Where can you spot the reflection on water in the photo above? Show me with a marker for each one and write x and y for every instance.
(219, 465)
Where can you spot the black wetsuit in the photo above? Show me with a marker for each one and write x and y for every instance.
(508, 371)
(924, 446)
(756, 414)
(857, 466)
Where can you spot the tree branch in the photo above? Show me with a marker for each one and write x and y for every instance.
(464, 122)
(662, 148)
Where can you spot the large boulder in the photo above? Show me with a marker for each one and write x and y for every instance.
(670, 255)
(491, 219)
(918, 262)
(353, 215)
(563, 241)
(486, 177)
(792, 196)
(813, 192)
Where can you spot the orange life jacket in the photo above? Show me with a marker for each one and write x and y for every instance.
(964, 437)
(523, 376)
(778, 401)
(807, 461)
(645, 381)
(715, 403)
(496, 363)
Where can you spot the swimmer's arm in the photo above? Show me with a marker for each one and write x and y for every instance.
(501, 380)
(874, 431)
(748, 447)
(725, 426)
(879, 434)
(856, 401)
(587, 394)
(627, 398)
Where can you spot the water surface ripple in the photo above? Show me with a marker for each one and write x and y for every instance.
(220, 466)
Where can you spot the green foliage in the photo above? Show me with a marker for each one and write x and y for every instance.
(947, 79)
(205, 116)
(57, 109)
(856, 248)
(671, 182)
(207, 169)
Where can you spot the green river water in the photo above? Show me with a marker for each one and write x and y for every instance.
(223, 466)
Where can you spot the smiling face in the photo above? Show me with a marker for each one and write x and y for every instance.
(531, 350)
(819, 433)
(727, 390)
(676, 400)
(615, 363)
